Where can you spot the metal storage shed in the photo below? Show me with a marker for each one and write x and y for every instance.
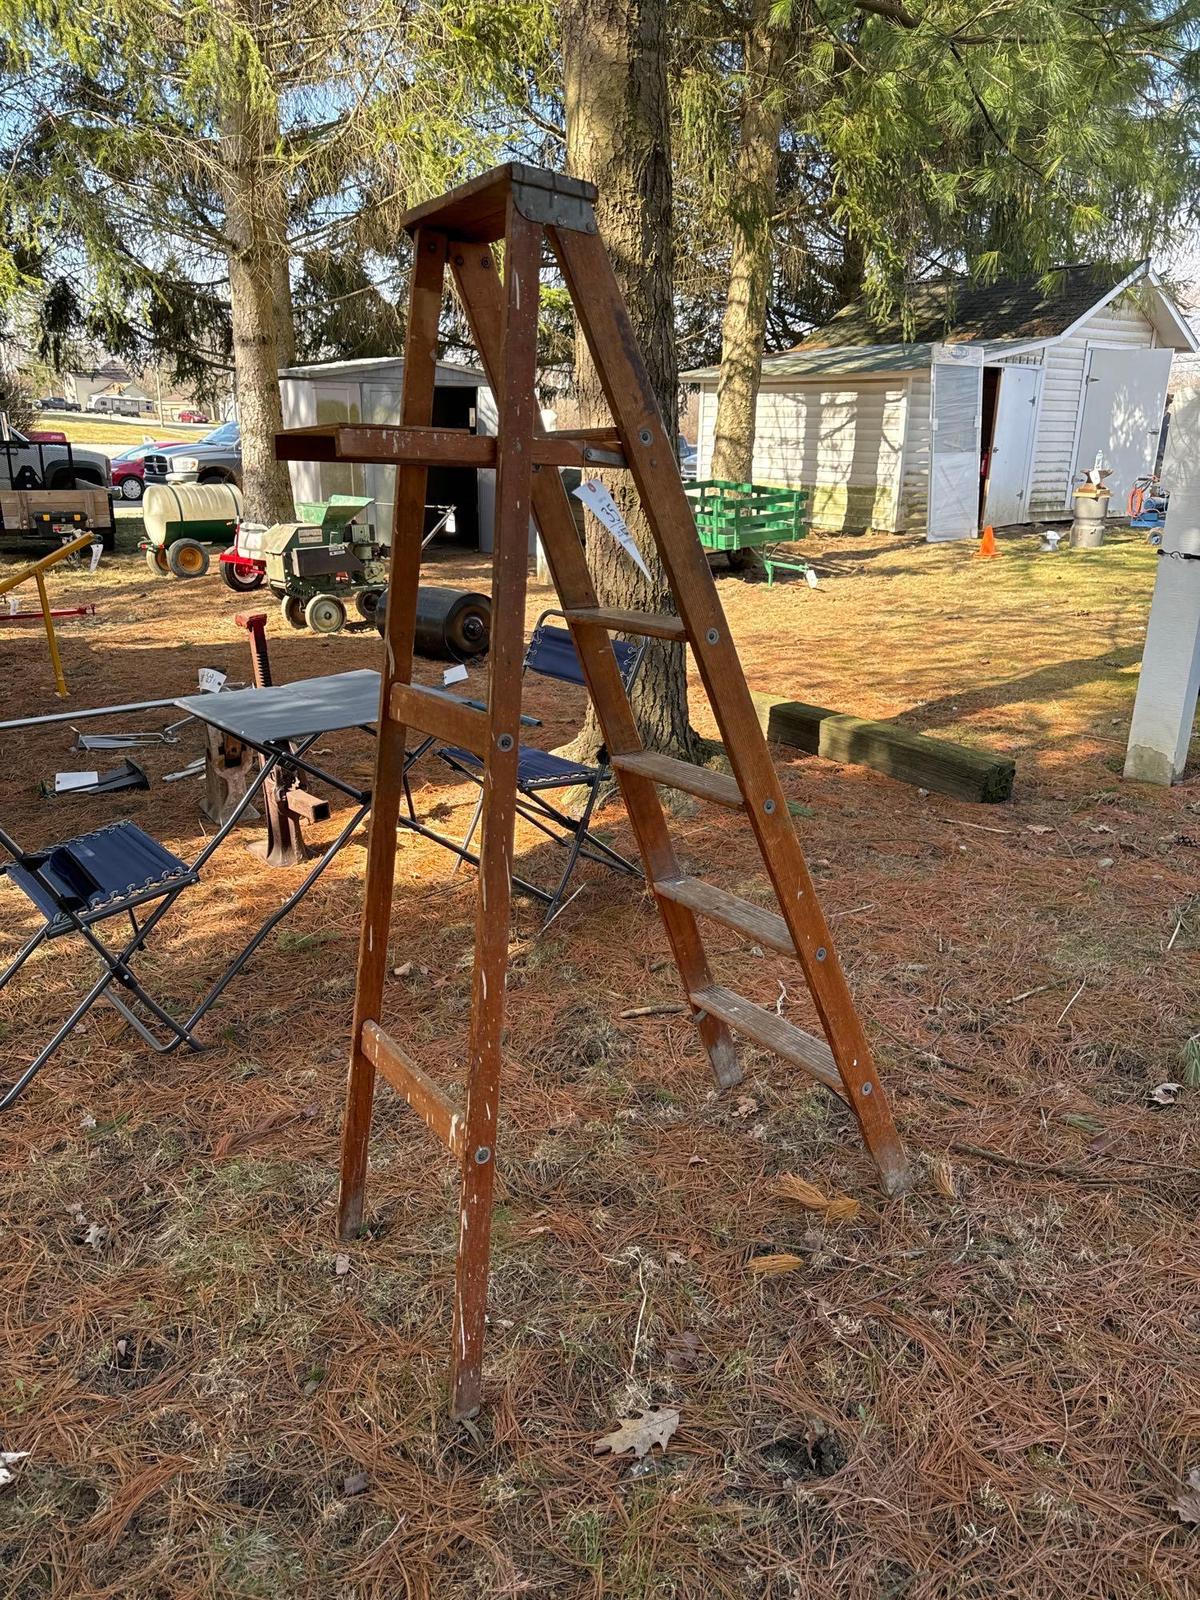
(986, 412)
(369, 391)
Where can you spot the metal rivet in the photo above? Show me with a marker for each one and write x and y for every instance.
(458, 261)
(769, 807)
(821, 953)
(645, 435)
(866, 1089)
(482, 1156)
(712, 636)
(505, 742)
(485, 261)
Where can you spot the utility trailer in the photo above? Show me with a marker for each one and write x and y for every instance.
(48, 491)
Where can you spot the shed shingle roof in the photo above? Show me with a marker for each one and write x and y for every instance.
(954, 310)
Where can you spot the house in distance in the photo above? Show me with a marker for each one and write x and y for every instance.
(984, 406)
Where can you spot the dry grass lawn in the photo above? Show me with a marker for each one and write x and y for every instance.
(987, 1388)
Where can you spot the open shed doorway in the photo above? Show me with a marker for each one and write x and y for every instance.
(1010, 395)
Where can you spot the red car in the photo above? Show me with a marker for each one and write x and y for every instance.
(192, 416)
(129, 468)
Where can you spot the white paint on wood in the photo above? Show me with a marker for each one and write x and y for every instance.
(1121, 325)
(1012, 445)
(1165, 707)
(825, 434)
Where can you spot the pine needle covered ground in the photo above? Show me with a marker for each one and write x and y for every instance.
(987, 1388)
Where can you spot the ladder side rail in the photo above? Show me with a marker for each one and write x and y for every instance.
(476, 280)
(426, 287)
(647, 446)
(517, 416)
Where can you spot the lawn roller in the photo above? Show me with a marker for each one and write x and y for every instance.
(182, 520)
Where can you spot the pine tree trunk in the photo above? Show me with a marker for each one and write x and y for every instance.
(752, 205)
(256, 226)
(618, 137)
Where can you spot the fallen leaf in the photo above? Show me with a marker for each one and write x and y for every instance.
(403, 971)
(771, 1266)
(1100, 827)
(675, 1258)
(697, 1161)
(746, 1106)
(1166, 1094)
(9, 1459)
(1037, 827)
(95, 1235)
(341, 1265)
(88, 1121)
(355, 1483)
(1106, 861)
(684, 1351)
(943, 1178)
(1103, 1143)
(639, 1434)
(1187, 1506)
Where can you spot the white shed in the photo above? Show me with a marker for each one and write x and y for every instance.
(368, 391)
(988, 411)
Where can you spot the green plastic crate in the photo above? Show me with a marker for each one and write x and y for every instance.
(746, 516)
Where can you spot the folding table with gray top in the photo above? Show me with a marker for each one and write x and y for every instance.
(283, 723)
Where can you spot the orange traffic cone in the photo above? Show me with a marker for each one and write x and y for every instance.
(987, 545)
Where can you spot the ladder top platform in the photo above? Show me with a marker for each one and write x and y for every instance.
(477, 210)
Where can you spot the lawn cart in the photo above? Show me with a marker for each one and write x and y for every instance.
(182, 521)
(739, 518)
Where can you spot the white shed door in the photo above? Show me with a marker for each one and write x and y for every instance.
(1012, 445)
(1124, 392)
(956, 403)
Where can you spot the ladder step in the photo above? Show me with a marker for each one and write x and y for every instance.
(772, 1032)
(765, 927)
(640, 622)
(422, 1094)
(703, 782)
(441, 714)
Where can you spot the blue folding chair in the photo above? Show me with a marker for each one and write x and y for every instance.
(80, 883)
(551, 652)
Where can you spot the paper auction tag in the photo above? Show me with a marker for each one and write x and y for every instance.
(210, 679)
(602, 506)
(457, 674)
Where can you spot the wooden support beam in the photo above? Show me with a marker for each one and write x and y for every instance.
(938, 764)
(434, 711)
(415, 1086)
(434, 447)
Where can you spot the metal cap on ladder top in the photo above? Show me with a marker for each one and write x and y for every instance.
(477, 211)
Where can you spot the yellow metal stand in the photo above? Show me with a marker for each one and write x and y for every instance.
(38, 573)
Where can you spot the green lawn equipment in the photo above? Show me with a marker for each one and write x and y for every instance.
(317, 566)
(741, 517)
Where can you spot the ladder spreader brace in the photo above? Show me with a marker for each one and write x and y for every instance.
(527, 208)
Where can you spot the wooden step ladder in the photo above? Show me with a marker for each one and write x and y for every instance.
(527, 208)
